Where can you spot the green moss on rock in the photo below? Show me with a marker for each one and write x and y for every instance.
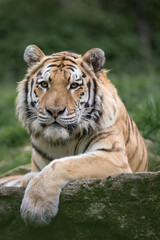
(124, 206)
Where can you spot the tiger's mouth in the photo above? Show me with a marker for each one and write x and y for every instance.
(54, 125)
(59, 123)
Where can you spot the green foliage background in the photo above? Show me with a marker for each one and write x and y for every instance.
(128, 32)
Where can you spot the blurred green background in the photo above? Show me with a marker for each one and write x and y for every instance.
(128, 32)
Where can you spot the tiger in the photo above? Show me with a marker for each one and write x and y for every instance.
(79, 128)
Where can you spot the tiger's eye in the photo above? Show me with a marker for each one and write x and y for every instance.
(74, 85)
(44, 84)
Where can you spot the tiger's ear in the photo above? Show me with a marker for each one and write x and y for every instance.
(32, 55)
(95, 58)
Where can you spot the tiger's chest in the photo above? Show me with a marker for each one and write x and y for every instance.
(44, 152)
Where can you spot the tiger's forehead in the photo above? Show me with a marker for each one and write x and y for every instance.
(66, 54)
(61, 65)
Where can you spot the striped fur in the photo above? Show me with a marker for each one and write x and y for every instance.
(78, 125)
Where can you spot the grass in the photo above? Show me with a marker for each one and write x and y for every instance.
(139, 93)
(13, 138)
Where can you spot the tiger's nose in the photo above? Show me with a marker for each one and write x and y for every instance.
(55, 112)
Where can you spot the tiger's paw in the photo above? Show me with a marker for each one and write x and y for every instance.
(40, 203)
(27, 178)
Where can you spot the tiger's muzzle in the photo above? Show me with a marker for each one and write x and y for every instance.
(55, 112)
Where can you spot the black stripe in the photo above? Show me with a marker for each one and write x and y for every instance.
(146, 166)
(81, 103)
(94, 90)
(140, 162)
(96, 115)
(38, 74)
(131, 121)
(26, 92)
(89, 94)
(94, 94)
(79, 140)
(128, 137)
(57, 60)
(68, 59)
(92, 139)
(43, 154)
(73, 57)
(32, 84)
(38, 168)
(135, 151)
(70, 68)
(35, 93)
(27, 110)
(69, 65)
(52, 65)
(69, 78)
(32, 103)
(99, 139)
(40, 66)
(124, 166)
(113, 149)
(28, 113)
(71, 127)
(83, 75)
(88, 71)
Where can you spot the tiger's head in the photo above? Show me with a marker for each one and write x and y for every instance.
(61, 93)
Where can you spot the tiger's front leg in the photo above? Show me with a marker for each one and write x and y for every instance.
(41, 198)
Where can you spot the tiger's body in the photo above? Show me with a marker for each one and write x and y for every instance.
(78, 125)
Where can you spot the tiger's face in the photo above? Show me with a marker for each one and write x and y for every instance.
(60, 96)
(61, 92)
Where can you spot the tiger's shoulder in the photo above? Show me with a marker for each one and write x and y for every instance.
(134, 144)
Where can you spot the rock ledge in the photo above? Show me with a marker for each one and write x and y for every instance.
(123, 206)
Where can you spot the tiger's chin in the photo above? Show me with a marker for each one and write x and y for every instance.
(50, 133)
(56, 132)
